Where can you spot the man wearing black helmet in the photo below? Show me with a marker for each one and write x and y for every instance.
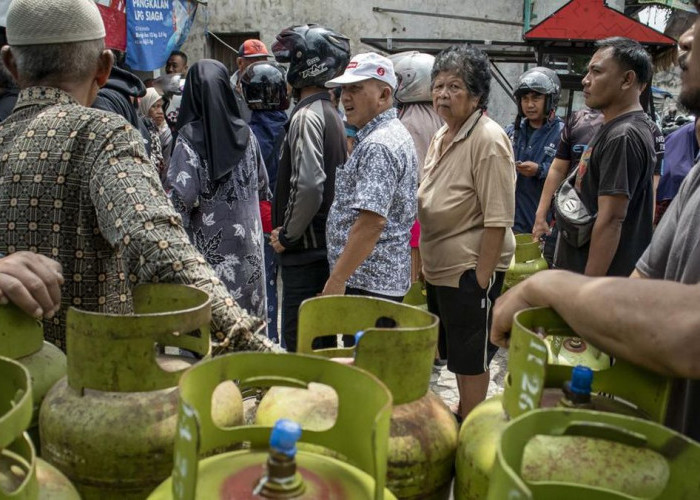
(313, 148)
(535, 136)
(264, 87)
(250, 52)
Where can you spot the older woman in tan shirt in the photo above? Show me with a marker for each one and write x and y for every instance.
(466, 206)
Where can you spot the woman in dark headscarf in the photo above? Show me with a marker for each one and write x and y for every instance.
(217, 176)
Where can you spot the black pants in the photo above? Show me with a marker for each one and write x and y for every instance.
(299, 283)
(465, 319)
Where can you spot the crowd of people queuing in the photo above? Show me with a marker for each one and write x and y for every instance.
(212, 180)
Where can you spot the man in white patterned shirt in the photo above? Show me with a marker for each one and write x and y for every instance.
(368, 228)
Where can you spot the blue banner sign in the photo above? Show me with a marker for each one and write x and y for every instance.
(154, 28)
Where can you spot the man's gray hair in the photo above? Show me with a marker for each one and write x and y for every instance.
(59, 62)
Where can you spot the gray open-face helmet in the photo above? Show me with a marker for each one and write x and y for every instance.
(543, 81)
(413, 75)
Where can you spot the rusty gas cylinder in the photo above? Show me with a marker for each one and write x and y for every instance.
(535, 380)
(423, 432)
(22, 474)
(110, 424)
(527, 260)
(270, 466)
(22, 339)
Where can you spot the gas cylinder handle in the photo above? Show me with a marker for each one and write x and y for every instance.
(117, 353)
(401, 356)
(681, 453)
(16, 390)
(607, 432)
(529, 371)
(20, 334)
(361, 431)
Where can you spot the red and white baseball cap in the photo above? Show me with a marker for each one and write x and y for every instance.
(366, 66)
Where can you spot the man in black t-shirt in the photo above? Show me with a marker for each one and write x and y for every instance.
(614, 176)
(650, 322)
(575, 136)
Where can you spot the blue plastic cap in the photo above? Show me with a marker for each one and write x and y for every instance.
(284, 437)
(581, 380)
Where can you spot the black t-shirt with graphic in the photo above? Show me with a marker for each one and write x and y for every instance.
(619, 160)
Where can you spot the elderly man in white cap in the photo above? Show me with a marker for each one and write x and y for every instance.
(368, 228)
(76, 184)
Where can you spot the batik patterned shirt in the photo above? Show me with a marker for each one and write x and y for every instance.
(76, 185)
(380, 177)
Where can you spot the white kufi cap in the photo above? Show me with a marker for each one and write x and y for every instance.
(46, 22)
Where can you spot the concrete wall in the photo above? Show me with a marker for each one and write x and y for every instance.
(355, 19)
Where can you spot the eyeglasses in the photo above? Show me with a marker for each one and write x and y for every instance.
(452, 88)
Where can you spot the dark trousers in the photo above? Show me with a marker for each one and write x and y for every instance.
(271, 289)
(301, 282)
(465, 320)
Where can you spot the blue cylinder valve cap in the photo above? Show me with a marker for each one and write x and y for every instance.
(284, 437)
(581, 380)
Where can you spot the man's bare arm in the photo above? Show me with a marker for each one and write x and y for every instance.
(489, 254)
(606, 233)
(651, 323)
(556, 175)
(363, 237)
(655, 182)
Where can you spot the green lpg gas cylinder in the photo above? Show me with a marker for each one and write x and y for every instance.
(110, 424)
(276, 470)
(416, 296)
(22, 475)
(572, 351)
(583, 454)
(534, 381)
(527, 261)
(22, 339)
(423, 433)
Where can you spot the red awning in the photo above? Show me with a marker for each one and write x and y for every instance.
(591, 20)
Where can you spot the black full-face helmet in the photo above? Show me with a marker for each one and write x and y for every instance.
(543, 81)
(315, 54)
(264, 86)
